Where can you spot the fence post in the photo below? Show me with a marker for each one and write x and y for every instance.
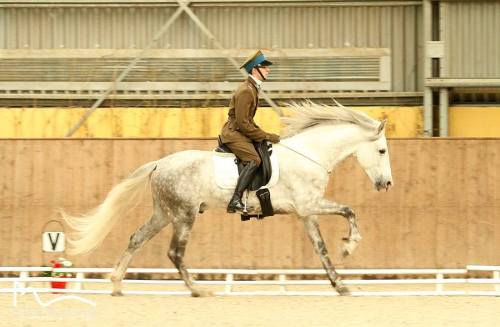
(229, 284)
(79, 284)
(23, 284)
(439, 285)
(496, 275)
(282, 278)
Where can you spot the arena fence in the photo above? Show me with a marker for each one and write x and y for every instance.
(270, 282)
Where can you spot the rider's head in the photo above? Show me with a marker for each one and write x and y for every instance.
(257, 65)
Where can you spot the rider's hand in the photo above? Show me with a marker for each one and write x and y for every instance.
(273, 138)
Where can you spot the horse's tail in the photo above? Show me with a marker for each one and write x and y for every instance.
(89, 230)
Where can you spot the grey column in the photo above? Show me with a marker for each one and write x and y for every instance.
(443, 111)
(427, 68)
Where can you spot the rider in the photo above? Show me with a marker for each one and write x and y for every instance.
(240, 130)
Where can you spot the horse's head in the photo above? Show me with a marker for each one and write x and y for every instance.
(373, 156)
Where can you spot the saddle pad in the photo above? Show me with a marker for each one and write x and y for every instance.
(226, 171)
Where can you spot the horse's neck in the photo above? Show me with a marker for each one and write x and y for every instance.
(327, 144)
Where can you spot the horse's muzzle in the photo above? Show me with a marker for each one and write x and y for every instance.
(383, 185)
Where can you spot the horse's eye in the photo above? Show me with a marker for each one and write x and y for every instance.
(381, 151)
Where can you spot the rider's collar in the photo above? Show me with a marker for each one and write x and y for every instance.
(258, 83)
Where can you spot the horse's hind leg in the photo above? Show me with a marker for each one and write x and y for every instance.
(182, 226)
(314, 234)
(155, 224)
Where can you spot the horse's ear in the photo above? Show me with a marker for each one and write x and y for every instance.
(381, 126)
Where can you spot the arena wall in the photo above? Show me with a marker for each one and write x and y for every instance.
(206, 122)
(442, 212)
(171, 122)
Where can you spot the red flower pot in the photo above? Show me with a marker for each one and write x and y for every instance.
(58, 285)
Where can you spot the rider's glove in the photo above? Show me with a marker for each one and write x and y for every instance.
(273, 138)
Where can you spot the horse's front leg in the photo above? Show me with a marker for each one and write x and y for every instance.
(312, 228)
(326, 207)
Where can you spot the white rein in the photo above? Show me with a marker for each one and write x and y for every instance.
(305, 156)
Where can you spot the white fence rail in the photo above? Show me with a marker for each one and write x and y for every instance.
(456, 281)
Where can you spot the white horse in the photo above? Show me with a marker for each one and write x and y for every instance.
(318, 137)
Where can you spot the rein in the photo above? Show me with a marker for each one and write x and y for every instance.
(307, 157)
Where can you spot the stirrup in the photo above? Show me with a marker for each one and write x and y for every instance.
(245, 208)
(242, 207)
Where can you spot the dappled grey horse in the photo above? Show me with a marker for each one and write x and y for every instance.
(317, 138)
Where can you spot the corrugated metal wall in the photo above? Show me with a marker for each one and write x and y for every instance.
(471, 31)
(236, 26)
(442, 212)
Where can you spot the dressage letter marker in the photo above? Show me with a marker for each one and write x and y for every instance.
(53, 242)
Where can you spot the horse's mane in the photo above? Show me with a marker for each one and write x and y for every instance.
(307, 114)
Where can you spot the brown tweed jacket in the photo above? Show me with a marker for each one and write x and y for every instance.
(240, 126)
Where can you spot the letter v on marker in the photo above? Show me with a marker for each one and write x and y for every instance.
(53, 243)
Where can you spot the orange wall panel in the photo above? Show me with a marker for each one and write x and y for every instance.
(442, 211)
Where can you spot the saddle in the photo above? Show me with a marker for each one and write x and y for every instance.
(261, 178)
(264, 172)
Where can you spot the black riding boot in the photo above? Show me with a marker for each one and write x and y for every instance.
(246, 175)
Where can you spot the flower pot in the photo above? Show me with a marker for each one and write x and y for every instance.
(58, 285)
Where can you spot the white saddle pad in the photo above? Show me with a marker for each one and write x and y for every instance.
(226, 170)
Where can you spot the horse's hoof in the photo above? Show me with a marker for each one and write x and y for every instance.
(117, 293)
(342, 290)
(348, 249)
(198, 293)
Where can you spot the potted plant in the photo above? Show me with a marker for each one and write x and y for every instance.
(60, 263)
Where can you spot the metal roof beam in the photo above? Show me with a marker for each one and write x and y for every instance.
(125, 72)
(58, 3)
